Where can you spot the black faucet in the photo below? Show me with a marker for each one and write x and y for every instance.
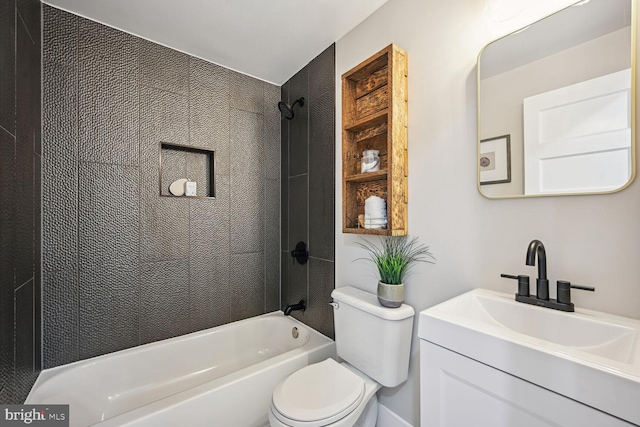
(299, 306)
(542, 283)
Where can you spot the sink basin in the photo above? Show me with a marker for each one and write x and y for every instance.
(589, 356)
(585, 331)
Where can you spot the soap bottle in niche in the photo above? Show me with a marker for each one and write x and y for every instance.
(190, 188)
(370, 161)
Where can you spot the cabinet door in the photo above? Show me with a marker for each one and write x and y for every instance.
(456, 391)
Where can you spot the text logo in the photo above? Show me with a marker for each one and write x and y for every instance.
(35, 415)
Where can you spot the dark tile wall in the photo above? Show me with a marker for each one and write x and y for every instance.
(122, 265)
(308, 192)
(20, 166)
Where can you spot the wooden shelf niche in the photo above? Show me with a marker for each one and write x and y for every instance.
(374, 117)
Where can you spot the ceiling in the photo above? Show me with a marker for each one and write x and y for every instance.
(270, 40)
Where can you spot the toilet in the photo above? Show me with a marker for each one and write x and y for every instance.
(374, 343)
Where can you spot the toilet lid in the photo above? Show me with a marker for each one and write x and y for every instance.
(318, 391)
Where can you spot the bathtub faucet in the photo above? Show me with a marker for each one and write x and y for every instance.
(299, 306)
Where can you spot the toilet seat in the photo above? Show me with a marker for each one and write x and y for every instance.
(317, 395)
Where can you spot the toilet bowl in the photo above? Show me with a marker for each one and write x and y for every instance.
(325, 394)
(373, 341)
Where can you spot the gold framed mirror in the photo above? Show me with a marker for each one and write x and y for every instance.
(556, 104)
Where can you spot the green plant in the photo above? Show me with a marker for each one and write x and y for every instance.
(396, 257)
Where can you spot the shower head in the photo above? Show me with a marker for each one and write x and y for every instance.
(287, 110)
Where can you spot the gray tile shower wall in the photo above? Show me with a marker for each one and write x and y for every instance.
(20, 167)
(308, 192)
(123, 266)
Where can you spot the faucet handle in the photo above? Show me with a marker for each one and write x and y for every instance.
(583, 288)
(564, 291)
(300, 253)
(523, 283)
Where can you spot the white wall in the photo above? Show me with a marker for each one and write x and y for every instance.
(591, 240)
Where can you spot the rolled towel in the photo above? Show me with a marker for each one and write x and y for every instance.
(375, 212)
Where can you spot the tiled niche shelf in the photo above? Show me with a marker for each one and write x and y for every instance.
(185, 161)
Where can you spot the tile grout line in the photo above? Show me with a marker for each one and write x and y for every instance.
(264, 206)
(231, 188)
(77, 162)
(189, 295)
(279, 302)
(140, 172)
(31, 279)
(299, 175)
(40, 308)
(284, 199)
(33, 260)
(321, 259)
(286, 300)
(24, 25)
(7, 131)
(309, 104)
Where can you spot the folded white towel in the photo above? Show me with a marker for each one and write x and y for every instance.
(375, 212)
(375, 223)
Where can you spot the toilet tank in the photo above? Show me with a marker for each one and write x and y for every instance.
(375, 340)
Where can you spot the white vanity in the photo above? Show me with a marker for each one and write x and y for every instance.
(487, 360)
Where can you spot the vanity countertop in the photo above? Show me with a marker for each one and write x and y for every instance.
(589, 356)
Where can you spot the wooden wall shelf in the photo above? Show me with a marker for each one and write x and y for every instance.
(366, 177)
(368, 122)
(374, 117)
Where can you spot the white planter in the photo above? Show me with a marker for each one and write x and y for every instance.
(391, 296)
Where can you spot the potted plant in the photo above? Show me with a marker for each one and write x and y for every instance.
(394, 259)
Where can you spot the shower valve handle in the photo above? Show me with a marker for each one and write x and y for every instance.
(300, 253)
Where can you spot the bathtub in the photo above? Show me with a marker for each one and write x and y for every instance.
(222, 376)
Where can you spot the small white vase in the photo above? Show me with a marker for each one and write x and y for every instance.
(391, 296)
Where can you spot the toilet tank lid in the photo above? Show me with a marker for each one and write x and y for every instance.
(368, 302)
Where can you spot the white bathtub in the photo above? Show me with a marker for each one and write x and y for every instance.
(222, 376)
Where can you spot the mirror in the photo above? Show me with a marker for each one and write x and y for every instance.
(555, 104)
